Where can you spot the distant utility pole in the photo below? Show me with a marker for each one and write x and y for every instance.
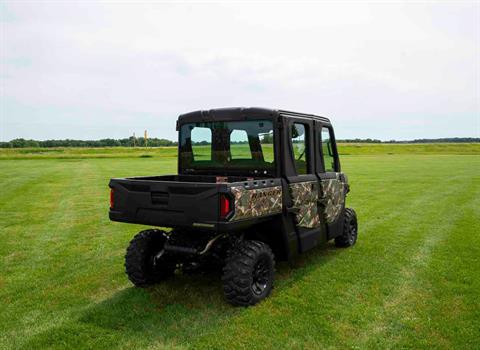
(145, 136)
(134, 139)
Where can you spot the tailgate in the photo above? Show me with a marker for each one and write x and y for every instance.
(164, 203)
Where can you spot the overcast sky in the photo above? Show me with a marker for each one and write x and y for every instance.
(90, 70)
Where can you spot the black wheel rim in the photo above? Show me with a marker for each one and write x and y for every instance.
(353, 232)
(261, 276)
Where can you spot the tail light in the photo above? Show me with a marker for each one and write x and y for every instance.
(111, 198)
(225, 205)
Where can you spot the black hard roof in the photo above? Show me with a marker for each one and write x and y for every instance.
(234, 113)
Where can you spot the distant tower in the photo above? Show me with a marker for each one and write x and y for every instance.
(145, 136)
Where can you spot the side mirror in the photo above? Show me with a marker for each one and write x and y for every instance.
(297, 132)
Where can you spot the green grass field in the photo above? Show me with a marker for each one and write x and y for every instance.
(171, 152)
(412, 280)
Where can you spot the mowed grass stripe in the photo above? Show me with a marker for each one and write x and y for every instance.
(17, 179)
(453, 282)
(402, 311)
(43, 261)
(57, 265)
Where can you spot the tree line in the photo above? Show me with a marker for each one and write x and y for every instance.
(439, 140)
(154, 142)
(127, 142)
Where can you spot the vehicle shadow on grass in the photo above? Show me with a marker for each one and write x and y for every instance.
(289, 273)
(174, 313)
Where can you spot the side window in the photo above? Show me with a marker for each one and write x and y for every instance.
(327, 150)
(201, 143)
(239, 148)
(266, 142)
(299, 146)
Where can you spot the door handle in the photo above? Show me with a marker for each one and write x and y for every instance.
(292, 210)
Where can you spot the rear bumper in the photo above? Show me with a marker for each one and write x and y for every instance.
(163, 219)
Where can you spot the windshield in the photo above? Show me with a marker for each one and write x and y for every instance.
(243, 147)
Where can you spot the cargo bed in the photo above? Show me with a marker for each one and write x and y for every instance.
(183, 200)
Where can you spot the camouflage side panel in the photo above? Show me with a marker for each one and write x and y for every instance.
(333, 190)
(251, 203)
(305, 196)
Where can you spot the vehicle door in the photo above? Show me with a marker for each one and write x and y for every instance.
(303, 184)
(333, 183)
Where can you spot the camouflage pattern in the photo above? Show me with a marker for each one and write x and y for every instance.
(333, 194)
(251, 203)
(305, 196)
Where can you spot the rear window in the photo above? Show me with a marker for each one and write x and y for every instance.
(227, 147)
(202, 137)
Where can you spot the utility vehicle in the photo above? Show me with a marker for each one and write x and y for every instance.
(253, 185)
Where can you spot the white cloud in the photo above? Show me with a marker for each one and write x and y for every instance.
(95, 70)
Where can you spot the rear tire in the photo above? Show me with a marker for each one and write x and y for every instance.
(248, 273)
(350, 230)
(139, 260)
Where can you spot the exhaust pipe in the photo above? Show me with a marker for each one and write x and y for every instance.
(187, 250)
